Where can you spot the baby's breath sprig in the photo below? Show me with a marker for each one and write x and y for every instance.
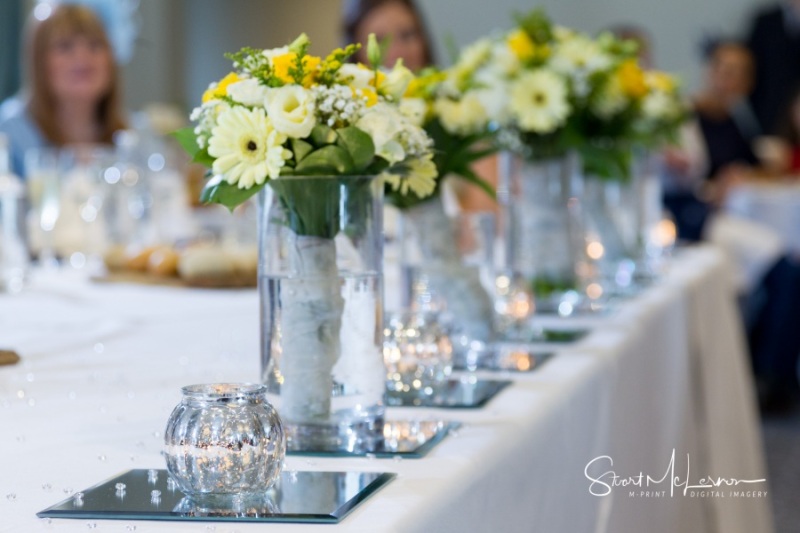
(251, 61)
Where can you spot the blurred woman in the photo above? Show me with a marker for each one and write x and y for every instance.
(72, 92)
(401, 24)
(398, 21)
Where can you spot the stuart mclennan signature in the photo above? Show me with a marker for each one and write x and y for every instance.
(603, 484)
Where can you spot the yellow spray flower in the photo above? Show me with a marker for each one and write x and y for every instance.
(631, 79)
(282, 64)
(220, 89)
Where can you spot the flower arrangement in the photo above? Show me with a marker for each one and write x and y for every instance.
(283, 112)
(446, 104)
(551, 89)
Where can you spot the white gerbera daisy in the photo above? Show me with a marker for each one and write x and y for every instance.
(247, 148)
(539, 101)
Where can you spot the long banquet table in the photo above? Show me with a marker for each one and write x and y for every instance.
(667, 373)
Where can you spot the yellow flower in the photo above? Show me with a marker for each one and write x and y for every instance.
(220, 89)
(631, 79)
(660, 81)
(370, 95)
(522, 45)
(282, 64)
(422, 86)
(378, 80)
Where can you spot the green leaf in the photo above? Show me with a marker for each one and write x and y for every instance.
(359, 145)
(331, 159)
(469, 175)
(203, 158)
(322, 135)
(187, 139)
(219, 191)
(301, 149)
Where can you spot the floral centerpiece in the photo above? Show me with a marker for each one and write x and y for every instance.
(310, 134)
(446, 105)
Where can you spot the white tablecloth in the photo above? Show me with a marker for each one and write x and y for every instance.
(103, 366)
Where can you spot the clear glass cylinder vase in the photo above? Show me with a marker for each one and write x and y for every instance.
(320, 285)
(436, 275)
(544, 236)
(611, 231)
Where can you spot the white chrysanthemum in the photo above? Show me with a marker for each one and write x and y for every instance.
(504, 60)
(611, 99)
(247, 92)
(579, 57)
(539, 101)
(291, 109)
(415, 109)
(659, 106)
(418, 176)
(247, 148)
(562, 33)
(461, 117)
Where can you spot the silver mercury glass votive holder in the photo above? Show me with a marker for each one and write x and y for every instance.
(224, 440)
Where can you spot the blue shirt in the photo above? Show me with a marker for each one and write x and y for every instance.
(23, 134)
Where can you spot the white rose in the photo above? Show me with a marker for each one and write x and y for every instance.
(292, 110)
(397, 80)
(248, 92)
(358, 77)
(415, 109)
(462, 117)
(384, 124)
(274, 52)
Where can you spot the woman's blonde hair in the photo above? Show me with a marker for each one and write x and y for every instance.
(68, 20)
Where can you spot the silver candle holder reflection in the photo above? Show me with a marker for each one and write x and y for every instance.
(418, 354)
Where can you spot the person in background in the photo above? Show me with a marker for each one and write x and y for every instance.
(774, 41)
(769, 280)
(398, 21)
(401, 23)
(72, 87)
(789, 134)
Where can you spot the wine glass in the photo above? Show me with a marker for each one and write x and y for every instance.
(43, 166)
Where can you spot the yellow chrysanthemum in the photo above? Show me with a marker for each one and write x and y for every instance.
(631, 79)
(220, 89)
(246, 147)
(282, 64)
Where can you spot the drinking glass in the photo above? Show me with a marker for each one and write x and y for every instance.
(42, 167)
